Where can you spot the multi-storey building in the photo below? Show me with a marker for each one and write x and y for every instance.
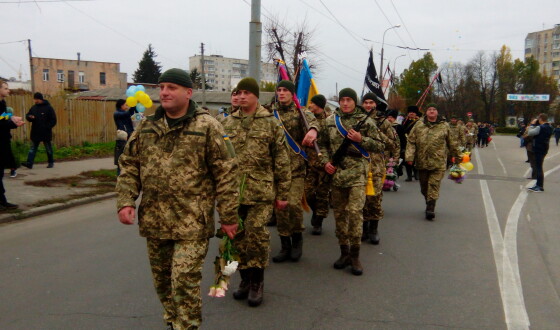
(223, 73)
(52, 75)
(544, 46)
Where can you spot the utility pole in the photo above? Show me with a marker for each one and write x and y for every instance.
(255, 32)
(203, 74)
(31, 66)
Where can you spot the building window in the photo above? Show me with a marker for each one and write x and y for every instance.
(81, 77)
(102, 78)
(59, 75)
(45, 74)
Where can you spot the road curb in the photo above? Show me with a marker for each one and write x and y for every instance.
(11, 217)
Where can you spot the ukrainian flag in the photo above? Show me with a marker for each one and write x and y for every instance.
(306, 88)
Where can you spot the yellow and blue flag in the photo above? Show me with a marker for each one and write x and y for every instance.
(306, 87)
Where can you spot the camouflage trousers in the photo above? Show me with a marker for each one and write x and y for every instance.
(254, 246)
(430, 181)
(290, 219)
(469, 146)
(176, 272)
(348, 205)
(317, 191)
(372, 208)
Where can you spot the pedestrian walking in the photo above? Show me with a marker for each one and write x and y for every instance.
(413, 114)
(179, 161)
(350, 176)
(541, 131)
(529, 148)
(557, 134)
(430, 143)
(43, 118)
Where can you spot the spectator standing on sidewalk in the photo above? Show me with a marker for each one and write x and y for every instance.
(123, 122)
(541, 130)
(6, 124)
(43, 119)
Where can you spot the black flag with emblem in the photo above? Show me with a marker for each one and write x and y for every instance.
(372, 83)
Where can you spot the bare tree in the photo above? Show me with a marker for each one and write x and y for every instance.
(290, 43)
(486, 73)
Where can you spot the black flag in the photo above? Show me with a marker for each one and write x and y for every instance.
(372, 83)
(439, 80)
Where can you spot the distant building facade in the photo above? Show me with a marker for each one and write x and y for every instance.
(223, 73)
(54, 75)
(544, 46)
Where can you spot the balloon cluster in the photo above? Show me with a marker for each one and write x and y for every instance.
(458, 173)
(137, 97)
(466, 162)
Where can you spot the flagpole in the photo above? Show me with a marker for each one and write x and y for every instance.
(425, 94)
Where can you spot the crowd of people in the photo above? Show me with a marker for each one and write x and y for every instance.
(253, 163)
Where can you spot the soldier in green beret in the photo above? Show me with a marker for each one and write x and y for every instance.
(290, 220)
(429, 144)
(349, 180)
(258, 139)
(179, 161)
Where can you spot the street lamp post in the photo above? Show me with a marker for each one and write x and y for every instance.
(382, 43)
(395, 63)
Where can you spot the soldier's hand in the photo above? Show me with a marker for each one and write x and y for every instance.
(310, 137)
(126, 215)
(230, 230)
(280, 205)
(17, 120)
(330, 168)
(354, 136)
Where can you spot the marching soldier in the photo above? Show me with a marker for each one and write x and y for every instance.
(232, 108)
(258, 139)
(470, 135)
(429, 144)
(349, 180)
(179, 161)
(317, 181)
(290, 220)
(373, 211)
(457, 132)
(413, 114)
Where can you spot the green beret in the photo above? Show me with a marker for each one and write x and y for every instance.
(176, 76)
(348, 92)
(248, 84)
(319, 100)
(287, 85)
(369, 96)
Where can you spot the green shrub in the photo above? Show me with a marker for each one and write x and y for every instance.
(86, 150)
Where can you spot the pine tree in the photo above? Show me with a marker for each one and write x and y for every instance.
(148, 69)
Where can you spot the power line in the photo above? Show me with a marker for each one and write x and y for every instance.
(344, 27)
(41, 1)
(391, 24)
(405, 27)
(12, 42)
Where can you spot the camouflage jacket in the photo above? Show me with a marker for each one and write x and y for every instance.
(458, 134)
(180, 171)
(259, 146)
(470, 134)
(429, 145)
(228, 111)
(292, 122)
(354, 168)
(392, 146)
(314, 160)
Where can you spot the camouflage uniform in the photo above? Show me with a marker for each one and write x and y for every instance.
(429, 145)
(228, 111)
(470, 137)
(349, 180)
(458, 134)
(179, 170)
(408, 125)
(263, 160)
(317, 181)
(290, 220)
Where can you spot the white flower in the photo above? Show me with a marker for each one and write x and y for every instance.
(220, 293)
(212, 292)
(230, 268)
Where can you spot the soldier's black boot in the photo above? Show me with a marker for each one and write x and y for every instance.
(430, 209)
(317, 223)
(373, 234)
(355, 260)
(243, 291)
(365, 230)
(344, 259)
(285, 251)
(297, 246)
(257, 287)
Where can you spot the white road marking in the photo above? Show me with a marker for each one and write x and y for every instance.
(510, 285)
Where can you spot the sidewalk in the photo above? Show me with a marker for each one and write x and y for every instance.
(25, 195)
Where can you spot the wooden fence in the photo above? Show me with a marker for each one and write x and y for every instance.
(78, 121)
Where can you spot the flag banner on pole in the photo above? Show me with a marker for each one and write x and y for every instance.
(439, 80)
(283, 75)
(306, 88)
(372, 83)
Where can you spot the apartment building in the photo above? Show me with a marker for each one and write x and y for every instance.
(52, 75)
(544, 46)
(223, 73)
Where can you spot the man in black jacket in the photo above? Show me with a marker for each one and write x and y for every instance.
(43, 119)
(541, 131)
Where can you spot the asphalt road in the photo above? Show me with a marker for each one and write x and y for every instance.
(488, 261)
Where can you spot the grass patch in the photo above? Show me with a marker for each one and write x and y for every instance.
(84, 151)
(99, 182)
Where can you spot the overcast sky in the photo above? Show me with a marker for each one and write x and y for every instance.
(120, 31)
